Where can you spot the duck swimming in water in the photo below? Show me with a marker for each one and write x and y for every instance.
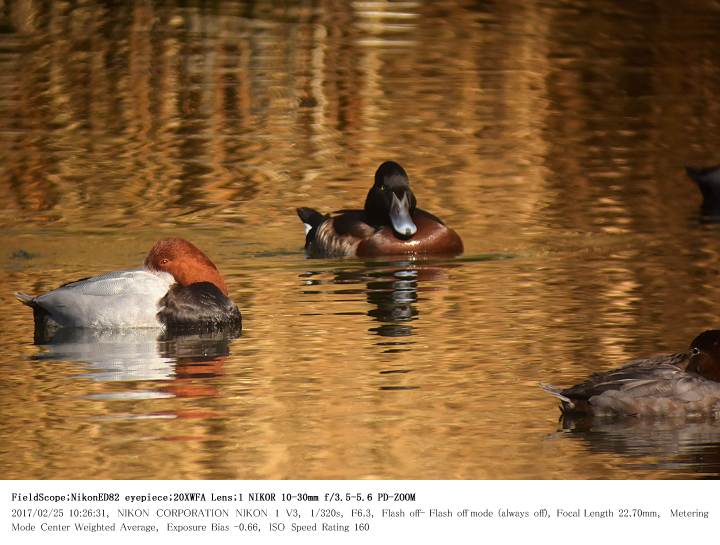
(177, 289)
(389, 224)
(683, 385)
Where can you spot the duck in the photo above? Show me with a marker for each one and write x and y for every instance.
(389, 224)
(708, 180)
(178, 288)
(686, 384)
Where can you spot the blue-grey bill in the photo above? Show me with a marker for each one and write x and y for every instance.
(400, 217)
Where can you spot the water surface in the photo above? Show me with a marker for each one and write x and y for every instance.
(551, 135)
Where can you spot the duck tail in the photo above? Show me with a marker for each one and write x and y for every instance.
(311, 218)
(26, 299)
(554, 391)
(45, 326)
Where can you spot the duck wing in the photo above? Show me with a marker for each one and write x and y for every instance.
(631, 375)
(117, 299)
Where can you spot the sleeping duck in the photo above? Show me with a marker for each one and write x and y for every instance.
(680, 385)
(177, 289)
(389, 224)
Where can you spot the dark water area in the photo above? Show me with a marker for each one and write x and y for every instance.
(551, 135)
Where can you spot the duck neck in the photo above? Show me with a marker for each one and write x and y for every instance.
(185, 277)
(375, 213)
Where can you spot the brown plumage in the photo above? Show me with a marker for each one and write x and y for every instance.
(185, 261)
(684, 384)
(389, 224)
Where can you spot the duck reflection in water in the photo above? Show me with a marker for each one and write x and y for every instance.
(392, 291)
(394, 295)
(182, 363)
(672, 443)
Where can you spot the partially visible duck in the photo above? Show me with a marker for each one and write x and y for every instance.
(708, 180)
(178, 289)
(685, 384)
(389, 224)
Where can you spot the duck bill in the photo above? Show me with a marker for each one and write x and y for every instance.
(400, 217)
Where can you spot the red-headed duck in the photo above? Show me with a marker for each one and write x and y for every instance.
(390, 224)
(178, 288)
(683, 385)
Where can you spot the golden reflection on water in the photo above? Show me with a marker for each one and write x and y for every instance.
(551, 136)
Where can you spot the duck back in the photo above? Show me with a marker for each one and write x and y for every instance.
(114, 300)
(657, 386)
(338, 236)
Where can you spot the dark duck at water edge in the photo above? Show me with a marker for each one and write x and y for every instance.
(390, 224)
(676, 385)
(708, 180)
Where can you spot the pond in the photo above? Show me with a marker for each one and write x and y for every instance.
(551, 135)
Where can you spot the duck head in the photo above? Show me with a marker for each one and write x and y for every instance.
(391, 201)
(705, 355)
(185, 261)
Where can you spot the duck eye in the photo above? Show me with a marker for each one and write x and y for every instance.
(164, 261)
(694, 351)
